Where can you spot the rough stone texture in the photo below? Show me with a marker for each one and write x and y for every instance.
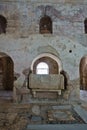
(23, 19)
(23, 43)
(27, 49)
(18, 116)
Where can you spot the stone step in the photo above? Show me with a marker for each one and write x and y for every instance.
(57, 127)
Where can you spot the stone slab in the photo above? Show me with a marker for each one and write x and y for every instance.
(58, 127)
(48, 82)
(81, 112)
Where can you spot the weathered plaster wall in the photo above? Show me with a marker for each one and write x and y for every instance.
(24, 43)
(24, 50)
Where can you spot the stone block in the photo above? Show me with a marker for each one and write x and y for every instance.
(46, 82)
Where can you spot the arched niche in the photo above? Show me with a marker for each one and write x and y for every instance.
(85, 25)
(3, 24)
(6, 72)
(83, 73)
(45, 25)
(54, 63)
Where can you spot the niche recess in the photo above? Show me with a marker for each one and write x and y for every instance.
(83, 73)
(45, 25)
(3, 24)
(85, 25)
(6, 72)
(52, 64)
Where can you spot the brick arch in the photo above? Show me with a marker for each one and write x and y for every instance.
(83, 73)
(54, 63)
(6, 72)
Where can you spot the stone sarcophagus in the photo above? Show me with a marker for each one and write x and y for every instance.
(51, 83)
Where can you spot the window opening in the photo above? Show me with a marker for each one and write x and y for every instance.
(42, 68)
(45, 25)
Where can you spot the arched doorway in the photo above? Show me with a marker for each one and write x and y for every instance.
(6, 72)
(83, 73)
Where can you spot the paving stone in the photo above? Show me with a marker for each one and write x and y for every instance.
(36, 118)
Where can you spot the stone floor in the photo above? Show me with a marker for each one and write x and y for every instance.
(20, 116)
(28, 116)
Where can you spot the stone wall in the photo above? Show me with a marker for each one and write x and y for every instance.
(26, 49)
(23, 17)
(23, 43)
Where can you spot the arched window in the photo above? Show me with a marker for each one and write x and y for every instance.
(85, 25)
(45, 25)
(42, 68)
(3, 24)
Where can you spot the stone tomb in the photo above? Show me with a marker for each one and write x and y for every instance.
(50, 83)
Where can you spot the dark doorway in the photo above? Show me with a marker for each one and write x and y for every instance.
(6, 72)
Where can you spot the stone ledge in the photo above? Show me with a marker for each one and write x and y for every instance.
(47, 1)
